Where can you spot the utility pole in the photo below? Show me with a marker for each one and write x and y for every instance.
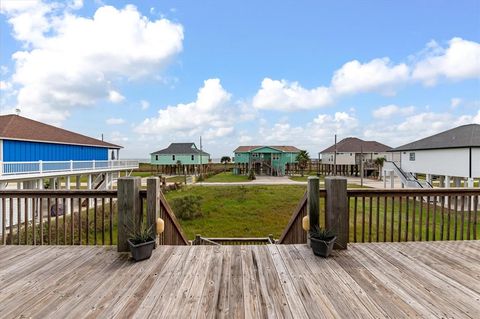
(201, 157)
(361, 165)
(335, 157)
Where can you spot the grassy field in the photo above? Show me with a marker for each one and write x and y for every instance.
(241, 211)
(227, 177)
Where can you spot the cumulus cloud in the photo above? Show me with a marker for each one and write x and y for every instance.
(72, 61)
(287, 96)
(144, 104)
(378, 75)
(210, 113)
(115, 121)
(460, 60)
(388, 111)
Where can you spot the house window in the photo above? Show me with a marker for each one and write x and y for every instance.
(156, 157)
(412, 156)
(193, 157)
(173, 157)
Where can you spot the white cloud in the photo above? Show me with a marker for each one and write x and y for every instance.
(74, 61)
(5, 85)
(209, 113)
(115, 121)
(388, 111)
(115, 97)
(378, 75)
(461, 60)
(287, 96)
(144, 104)
(455, 102)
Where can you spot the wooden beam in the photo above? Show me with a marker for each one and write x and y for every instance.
(153, 202)
(336, 214)
(128, 209)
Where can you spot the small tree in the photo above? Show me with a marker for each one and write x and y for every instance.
(251, 174)
(379, 163)
(302, 158)
(225, 160)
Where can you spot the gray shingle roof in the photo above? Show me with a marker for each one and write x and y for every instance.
(356, 145)
(181, 148)
(462, 136)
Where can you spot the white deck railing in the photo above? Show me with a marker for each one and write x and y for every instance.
(48, 167)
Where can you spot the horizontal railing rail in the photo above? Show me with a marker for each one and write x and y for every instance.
(199, 240)
(47, 167)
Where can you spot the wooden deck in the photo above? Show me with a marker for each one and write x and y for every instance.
(421, 279)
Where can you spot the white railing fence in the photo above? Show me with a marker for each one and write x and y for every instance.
(44, 167)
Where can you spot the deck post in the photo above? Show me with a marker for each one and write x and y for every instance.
(313, 203)
(336, 214)
(153, 203)
(128, 209)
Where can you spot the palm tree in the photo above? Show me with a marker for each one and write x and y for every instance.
(302, 158)
(225, 160)
(379, 163)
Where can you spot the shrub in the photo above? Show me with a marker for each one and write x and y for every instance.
(251, 175)
(187, 207)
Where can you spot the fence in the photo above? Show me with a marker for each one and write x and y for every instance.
(83, 217)
(381, 215)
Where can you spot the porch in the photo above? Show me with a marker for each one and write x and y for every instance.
(408, 279)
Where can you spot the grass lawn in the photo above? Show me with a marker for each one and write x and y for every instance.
(227, 177)
(142, 174)
(241, 211)
(176, 179)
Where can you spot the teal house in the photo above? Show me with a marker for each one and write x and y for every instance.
(265, 160)
(185, 155)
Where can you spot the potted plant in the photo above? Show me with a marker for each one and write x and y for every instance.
(141, 243)
(321, 241)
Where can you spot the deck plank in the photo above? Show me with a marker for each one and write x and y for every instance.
(412, 279)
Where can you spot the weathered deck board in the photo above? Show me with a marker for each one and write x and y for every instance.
(412, 279)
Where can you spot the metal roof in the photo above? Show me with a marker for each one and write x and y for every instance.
(461, 136)
(16, 127)
(356, 145)
(181, 148)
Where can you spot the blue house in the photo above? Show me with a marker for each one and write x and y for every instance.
(30, 150)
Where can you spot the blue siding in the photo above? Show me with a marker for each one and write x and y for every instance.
(23, 151)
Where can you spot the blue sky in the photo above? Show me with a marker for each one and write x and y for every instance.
(242, 72)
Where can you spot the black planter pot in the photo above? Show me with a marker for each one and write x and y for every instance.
(141, 251)
(321, 247)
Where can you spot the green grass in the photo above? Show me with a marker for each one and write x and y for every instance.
(176, 179)
(142, 174)
(241, 211)
(227, 177)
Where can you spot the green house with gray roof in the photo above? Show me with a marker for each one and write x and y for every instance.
(180, 153)
(265, 160)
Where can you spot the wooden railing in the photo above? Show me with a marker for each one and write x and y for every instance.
(389, 215)
(173, 234)
(83, 217)
(57, 217)
(294, 233)
(379, 215)
(199, 240)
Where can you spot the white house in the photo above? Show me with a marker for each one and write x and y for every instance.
(349, 151)
(452, 156)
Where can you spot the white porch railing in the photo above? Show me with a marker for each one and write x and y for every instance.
(48, 167)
